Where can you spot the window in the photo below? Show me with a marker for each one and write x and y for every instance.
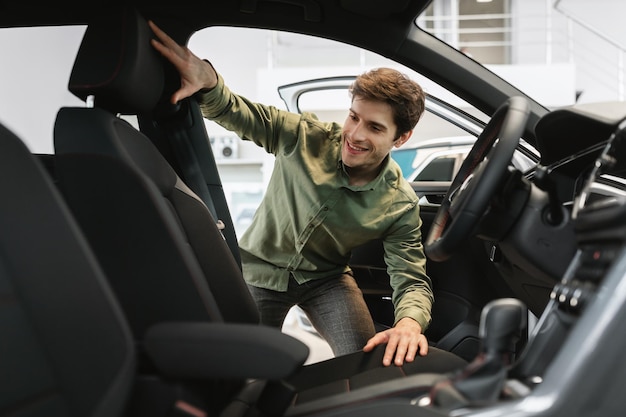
(439, 169)
(54, 46)
(481, 29)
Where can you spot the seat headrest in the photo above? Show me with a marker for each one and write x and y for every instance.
(117, 64)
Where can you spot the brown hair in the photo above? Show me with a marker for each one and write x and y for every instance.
(404, 95)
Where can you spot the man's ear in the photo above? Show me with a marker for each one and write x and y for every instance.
(402, 139)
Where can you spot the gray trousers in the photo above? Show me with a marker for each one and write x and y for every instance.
(335, 307)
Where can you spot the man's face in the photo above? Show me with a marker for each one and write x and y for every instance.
(368, 135)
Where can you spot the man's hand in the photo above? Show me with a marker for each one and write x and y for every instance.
(404, 341)
(195, 73)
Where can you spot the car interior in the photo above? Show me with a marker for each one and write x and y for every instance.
(102, 160)
(121, 283)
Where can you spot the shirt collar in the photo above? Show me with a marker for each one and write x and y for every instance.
(386, 175)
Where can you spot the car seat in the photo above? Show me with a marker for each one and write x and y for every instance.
(66, 348)
(174, 274)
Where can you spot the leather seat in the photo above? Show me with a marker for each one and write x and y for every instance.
(128, 198)
(175, 277)
(66, 348)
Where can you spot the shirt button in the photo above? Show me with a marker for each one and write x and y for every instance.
(325, 208)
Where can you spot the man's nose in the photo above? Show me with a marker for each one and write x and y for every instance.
(358, 131)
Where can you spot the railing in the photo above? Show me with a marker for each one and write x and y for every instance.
(552, 35)
(449, 29)
(616, 67)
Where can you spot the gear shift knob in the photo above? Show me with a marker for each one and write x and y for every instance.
(501, 323)
(483, 379)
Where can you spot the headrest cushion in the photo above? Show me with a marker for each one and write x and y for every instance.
(117, 64)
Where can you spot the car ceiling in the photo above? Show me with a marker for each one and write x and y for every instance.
(400, 12)
(380, 26)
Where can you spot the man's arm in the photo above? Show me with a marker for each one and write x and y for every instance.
(412, 292)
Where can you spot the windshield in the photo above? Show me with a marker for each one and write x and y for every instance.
(558, 52)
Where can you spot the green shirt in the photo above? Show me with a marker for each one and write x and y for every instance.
(310, 218)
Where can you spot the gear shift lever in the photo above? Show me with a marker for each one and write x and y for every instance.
(482, 380)
(501, 323)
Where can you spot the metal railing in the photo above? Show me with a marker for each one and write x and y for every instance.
(553, 35)
(574, 44)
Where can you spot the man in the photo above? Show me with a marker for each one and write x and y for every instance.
(333, 188)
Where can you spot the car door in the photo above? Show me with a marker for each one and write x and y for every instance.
(467, 281)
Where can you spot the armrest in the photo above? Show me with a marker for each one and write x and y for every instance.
(218, 350)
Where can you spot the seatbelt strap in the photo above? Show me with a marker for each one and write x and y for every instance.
(187, 139)
(193, 177)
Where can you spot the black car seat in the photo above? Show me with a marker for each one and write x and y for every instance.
(159, 244)
(66, 348)
(129, 199)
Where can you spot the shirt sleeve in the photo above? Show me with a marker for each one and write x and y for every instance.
(406, 265)
(267, 126)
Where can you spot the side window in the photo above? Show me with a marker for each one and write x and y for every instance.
(23, 108)
(439, 169)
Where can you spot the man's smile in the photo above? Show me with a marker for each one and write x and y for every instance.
(354, 148)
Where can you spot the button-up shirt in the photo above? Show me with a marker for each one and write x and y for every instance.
(311, 218)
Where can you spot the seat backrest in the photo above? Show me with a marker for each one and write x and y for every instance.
(65, 349)
(156, 240)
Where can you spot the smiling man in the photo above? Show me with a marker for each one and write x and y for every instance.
(333, 189)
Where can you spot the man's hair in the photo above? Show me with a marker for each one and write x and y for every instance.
(404, 95)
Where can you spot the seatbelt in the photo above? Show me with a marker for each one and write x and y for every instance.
(190, 167)
(184, 132)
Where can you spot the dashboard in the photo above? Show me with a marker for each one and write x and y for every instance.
(581, 166)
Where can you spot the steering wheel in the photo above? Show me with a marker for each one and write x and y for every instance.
(478, 180)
